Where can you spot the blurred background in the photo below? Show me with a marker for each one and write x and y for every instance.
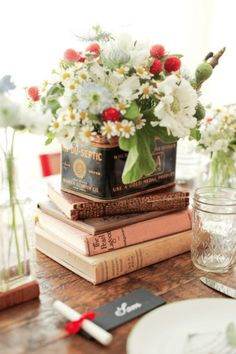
(34, 35)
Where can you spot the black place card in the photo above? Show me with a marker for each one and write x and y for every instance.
(126, 308)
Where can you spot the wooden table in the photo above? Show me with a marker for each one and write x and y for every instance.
(35, 328)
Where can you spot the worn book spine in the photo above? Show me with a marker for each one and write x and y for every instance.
(126, 236)
(98, 269)
(140, 232)
(137, 205)
(145, 254)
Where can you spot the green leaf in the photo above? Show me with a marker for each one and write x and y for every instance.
(231, 334)
(162, 133)
(139, 162)
(195, 134)
(53, 105)
(56, 90)
(126, 144)
(132, 112)
(48, 141)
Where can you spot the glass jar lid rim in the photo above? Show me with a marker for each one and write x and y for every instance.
(200, 196)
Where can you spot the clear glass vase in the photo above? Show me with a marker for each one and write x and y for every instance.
(16, 225)
(222, 169)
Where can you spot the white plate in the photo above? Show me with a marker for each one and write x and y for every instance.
(165, 330)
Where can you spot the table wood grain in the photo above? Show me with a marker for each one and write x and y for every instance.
(36, 328)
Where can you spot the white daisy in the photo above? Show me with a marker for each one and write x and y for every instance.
(122, 71)
(146, 90)
(65, 136)
(176, 107)
(86, 132)
(117, 128)
(122, 107)
(140, 123)
(127, 128)
(56, 126)
(108, 129)
(143, 73)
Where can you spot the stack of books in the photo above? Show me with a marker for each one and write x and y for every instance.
(101, 241)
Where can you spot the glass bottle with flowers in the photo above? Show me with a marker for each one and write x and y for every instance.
(218, 137)
(16, 215)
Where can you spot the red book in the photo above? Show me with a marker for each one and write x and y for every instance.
(139, 232)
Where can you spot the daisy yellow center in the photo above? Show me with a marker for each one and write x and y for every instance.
(140, 70)
(146, 90)
(218, 110)
(64, 118)
(82, 115)
(65, 76)
(121, 71)
(108, 129)
(77, 81)
(121, 106)
(72, 87)
(87, 133)
(83, 76)
(72, 116)
(127, 129)
(55, 125)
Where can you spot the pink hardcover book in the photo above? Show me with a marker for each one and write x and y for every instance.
(91, 245)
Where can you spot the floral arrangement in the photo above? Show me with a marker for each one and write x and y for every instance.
(14, 118)
(217, 135)
(124, 89)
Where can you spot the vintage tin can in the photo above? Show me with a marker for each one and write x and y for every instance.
(94, 171)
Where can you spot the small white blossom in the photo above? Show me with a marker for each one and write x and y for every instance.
(94, 98)
(146, 90)
(140, 123)
(108, 129)
(176, 108)
(86, 132)
(127, 128)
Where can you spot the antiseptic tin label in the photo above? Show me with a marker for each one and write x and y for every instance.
(95, 171)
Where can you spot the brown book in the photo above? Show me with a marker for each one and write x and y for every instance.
(102, 267)
(20, 294)
(91, 245)
(95, 226)
(75, 207)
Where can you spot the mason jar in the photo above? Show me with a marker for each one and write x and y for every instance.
(213, 246)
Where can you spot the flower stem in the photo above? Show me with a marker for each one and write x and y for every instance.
(11, 185)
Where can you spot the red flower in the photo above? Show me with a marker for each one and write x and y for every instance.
(33, 93)
(156, 67)
(111, 114)
(94, 48)
(71, 55)
(157, 51)
(172, 64)
(80, 58)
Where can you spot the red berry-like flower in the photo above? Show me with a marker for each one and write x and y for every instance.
(71, 55)
(172, 64)
(111, 114)
(80, 58)
(156, 67)
(157, 51)
(94, 48)
(33, 93)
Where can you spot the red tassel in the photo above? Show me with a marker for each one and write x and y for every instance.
(73, 327)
